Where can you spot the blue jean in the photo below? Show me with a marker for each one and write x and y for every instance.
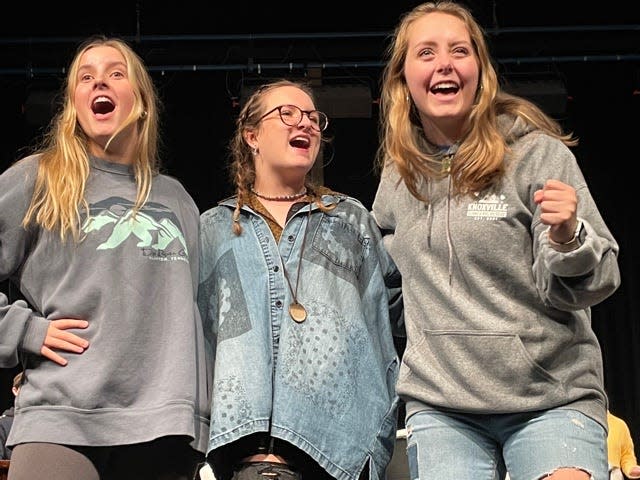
(530, 446)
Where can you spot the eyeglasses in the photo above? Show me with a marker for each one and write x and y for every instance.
(292, 116)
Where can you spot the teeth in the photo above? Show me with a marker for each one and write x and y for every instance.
(102, 99)
(445, 85)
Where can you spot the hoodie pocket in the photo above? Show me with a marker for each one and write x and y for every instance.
(477, 371)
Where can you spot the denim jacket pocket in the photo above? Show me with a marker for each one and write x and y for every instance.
(340, 243)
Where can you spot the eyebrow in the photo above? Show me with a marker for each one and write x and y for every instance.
(117, 63)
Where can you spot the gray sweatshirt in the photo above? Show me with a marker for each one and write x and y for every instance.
(135, 281)
(497, 321)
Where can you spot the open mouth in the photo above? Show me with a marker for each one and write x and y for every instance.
(300, 142)
(102, 105)
(445, 87)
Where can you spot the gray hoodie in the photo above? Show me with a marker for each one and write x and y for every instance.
(498, 321)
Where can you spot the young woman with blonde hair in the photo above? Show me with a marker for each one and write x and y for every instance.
(502, 252)
(104, 250)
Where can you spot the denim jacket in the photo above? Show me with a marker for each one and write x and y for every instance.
(327, 384)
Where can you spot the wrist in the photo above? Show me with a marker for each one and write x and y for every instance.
(569, 246)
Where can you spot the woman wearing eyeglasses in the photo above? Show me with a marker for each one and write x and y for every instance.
(292, 289)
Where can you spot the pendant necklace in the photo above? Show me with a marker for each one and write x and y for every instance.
(444, 155)
(296, 309)
(447, 154)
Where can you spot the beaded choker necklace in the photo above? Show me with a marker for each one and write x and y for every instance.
(280, 198)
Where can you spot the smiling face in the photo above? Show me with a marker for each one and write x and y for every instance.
(442, 71)
(285, 153)
(103, 99)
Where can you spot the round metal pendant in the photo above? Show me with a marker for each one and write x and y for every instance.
(297, 312)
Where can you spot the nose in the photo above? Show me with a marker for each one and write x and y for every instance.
(99, 81)
(305, 121)
(445, 66)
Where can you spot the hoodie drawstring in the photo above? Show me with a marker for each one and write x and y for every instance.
(449, 240)
(447, 158)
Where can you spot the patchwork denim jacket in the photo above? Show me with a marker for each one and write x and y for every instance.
(326, 384)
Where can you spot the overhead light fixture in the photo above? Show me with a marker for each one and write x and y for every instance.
(337, 100)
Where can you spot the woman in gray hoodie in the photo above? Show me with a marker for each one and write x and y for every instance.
(502, 252)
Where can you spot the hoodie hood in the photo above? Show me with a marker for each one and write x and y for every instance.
(513, 128)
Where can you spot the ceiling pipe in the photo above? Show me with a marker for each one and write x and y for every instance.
(318, 35)
(31, 71)
(257, 68)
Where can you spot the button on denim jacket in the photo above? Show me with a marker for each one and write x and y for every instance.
(326, 385)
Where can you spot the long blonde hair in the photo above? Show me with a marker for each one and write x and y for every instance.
(479, 160)
(241, 166)
(58, 197)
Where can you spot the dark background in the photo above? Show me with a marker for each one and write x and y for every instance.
(580, 63)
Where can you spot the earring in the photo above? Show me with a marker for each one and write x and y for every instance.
(144, 114)
(254, 151)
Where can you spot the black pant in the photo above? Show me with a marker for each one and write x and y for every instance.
(169, 458)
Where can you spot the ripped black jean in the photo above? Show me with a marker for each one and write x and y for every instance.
(265, 471)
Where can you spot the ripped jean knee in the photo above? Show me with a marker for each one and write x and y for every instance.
(556, 440)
